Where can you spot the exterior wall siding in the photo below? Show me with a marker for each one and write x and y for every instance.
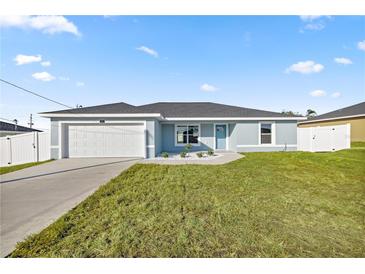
(150, 142)
(266, 148)
(243, 136)
(243, 133)
(54, 153)
(286, 132)
(357, 127)
(158, 138)
(168, 137)
(54, 133)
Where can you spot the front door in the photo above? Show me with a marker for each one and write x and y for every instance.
(220, 136)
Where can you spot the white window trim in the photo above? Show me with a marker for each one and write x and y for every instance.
(273, 133)
(227, 135)
(186, 124)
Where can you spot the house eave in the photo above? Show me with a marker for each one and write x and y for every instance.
(233, 118)
(102, 115)
(160, 117)
(332, 119)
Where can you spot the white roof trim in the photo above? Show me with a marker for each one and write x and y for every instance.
(331, 119)
(120, 115)
(158, 115)
(232, 118)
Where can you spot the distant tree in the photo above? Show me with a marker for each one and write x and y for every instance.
(311, 113)
(290, 113)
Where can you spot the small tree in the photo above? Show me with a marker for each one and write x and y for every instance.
(311, 113)
(290, 113)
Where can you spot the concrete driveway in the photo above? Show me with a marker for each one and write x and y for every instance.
(33, 198)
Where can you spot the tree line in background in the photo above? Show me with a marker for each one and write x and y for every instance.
(310, 113)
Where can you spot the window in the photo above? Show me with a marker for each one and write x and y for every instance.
(266, 136)
(187, 134)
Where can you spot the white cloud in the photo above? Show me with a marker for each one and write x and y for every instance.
(343, 61)
(335, 94)
(111, 17)
(63, 78)
(49, 24)
(318, 93)
(22, 59)
(207, 87)
(315, 26)
(43, 76)
(80, 84)
(314, 22)
(361, 45)
(305, 67)
(46, 63)
(147, 50)
(309, 18)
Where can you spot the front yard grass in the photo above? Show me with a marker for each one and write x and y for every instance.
(357, 144)
(7, 169)
(279, 204)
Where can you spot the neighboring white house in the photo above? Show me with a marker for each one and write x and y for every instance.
(13, 129)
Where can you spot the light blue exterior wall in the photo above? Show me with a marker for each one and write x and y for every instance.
(168, 137)
(286, 132)
(54, 139)
(151, 141)
(160, 136)
(243, 133)
(243, 136)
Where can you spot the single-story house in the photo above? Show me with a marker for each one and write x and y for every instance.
(13, 129)
(353, 115)
(124, 130)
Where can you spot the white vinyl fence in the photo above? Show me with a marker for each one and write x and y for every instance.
(24, 148)
(327, 138)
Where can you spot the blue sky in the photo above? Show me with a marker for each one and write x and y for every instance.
(264, 62)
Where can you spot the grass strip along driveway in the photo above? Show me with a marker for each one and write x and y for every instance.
(8, 169)
(264, 205)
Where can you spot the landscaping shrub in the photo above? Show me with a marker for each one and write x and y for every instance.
(183, 154)
(188, 147)
(210, 152)
(165, 155)
(199, 154)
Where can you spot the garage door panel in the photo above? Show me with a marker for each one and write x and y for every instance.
(106, 140)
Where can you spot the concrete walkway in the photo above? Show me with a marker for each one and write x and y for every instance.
(223, 158)
(33, 198)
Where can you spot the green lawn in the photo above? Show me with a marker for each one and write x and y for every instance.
(264, 205)
(8, 169)
(357, 144)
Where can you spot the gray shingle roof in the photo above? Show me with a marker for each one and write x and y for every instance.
(108, 108)
(205, 109)
(358, 109)
(4, 126)
(175, 109)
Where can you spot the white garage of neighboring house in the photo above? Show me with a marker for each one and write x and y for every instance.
(123, 130)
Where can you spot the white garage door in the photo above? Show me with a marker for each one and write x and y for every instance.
(106, 140)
